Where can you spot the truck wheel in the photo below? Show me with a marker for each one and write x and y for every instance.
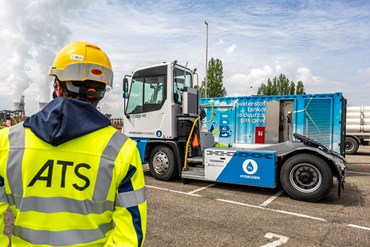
(351, 145)
(162, 163)
(306, 177)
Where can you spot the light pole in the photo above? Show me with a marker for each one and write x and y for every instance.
(205, 82)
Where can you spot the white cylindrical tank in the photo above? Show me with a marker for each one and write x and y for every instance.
(358, 119)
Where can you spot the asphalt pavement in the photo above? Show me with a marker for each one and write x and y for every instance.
(206, 214)
(215, 215)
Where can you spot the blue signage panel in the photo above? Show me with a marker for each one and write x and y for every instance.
(257, 168)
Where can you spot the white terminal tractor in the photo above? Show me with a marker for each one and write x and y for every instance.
(163, 115)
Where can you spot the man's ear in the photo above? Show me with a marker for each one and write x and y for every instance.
(58, 90)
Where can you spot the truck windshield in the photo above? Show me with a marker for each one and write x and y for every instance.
(147, 91)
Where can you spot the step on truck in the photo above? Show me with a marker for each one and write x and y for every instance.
(163, 115)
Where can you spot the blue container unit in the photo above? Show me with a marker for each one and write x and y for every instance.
(318, 116)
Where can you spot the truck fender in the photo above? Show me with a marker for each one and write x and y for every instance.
(355, 137)
(335, 161)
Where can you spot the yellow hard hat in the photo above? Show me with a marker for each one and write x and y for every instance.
(80, 61)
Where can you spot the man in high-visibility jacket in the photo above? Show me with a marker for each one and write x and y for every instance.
(69, 177)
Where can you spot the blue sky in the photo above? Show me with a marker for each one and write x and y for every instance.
(323, 43)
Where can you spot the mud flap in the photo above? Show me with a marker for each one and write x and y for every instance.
(340, 186)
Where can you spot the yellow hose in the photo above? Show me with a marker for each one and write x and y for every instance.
(213, 113)
(187, 143)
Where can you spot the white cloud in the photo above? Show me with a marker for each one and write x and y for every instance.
(365, 74)
(220, 42)
(33, 32)
(230, 50)
(247, 84)
(312, 42)
(278, 68)
(305, 75)
(317, 85)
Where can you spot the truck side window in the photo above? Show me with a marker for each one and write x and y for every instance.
(181, 79)
(147, 94)
(135, 103)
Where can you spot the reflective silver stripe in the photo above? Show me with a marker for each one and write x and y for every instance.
(105, 173)
(15, 158)
(82, 71)
(61, 204)
(14, 200)
(3, 195)
(62, 238)
(131, 198)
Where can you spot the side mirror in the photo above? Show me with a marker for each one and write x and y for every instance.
(125, 88)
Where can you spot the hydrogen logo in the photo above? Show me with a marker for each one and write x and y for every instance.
(158, 133)
(250, 166)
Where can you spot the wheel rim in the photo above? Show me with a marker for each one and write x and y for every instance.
(305, 178)
(348, 146)
(160, 163)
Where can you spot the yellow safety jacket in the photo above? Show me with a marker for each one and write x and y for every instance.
(86, 191)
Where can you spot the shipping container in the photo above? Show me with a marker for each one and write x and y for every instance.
(273, 119)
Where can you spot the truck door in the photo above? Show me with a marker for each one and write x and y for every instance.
(279, 121)
(286, 120)
(148, 108)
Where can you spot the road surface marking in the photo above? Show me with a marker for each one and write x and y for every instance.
(174, 191)
(360, 227)
(281, 239)
(202, 188)
(254, 206)
(362, 173)
(273, 210)
(272, 198)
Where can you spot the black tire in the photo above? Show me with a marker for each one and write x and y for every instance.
(162, 163)
(306, 177)
(351, 145)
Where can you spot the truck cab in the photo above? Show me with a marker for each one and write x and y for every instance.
(163, 115)
(156, 95)
(153, 100)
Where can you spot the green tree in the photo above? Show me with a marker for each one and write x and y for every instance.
(280, 86)
(300, 88)
(283, 85)
(215, 87)
(292, 88)
(261, 89)
(270, 87)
